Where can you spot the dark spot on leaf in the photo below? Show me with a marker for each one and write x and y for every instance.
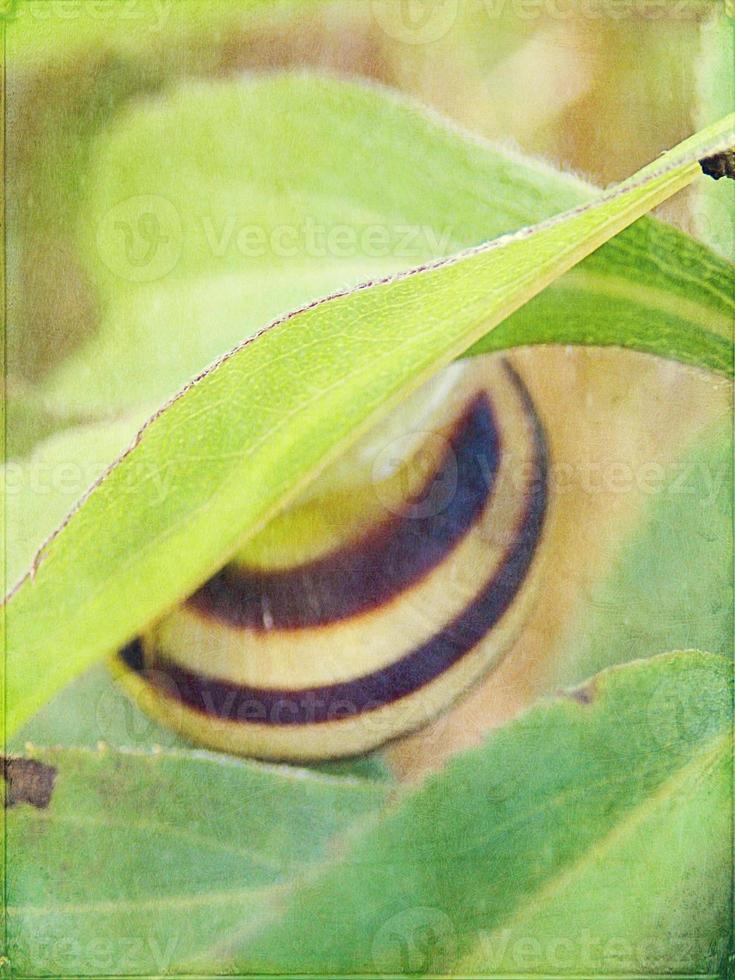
(28, 781)
(719, 165)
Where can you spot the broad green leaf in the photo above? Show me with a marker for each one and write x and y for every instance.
(140, 353)
(217, 865)
(225, 205)
(590, 837)
(250, 433)
(671, 586)
(269, 233)
(139, 859)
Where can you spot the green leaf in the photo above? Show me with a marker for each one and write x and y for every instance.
(592, 836)
(226, 205)
(516, 858)
(671, 585)
(249, 434)
(141, 859)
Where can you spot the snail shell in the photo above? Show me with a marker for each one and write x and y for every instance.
(359, 615)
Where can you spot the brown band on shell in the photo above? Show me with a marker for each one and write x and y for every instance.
(413, 670)
(383, 563)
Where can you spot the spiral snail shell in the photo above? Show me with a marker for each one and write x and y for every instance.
(360, 615)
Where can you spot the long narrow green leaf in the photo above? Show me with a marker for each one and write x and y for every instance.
(248, 435)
